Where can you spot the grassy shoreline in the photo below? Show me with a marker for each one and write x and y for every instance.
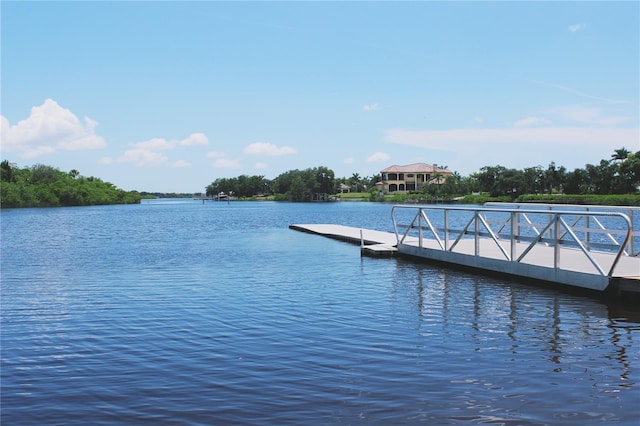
(581, 199)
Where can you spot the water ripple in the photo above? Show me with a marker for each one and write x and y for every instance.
(192, 314)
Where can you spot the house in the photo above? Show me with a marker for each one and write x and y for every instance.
(411, 177)
(344, 188)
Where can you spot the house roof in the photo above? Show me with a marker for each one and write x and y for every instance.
(416, 168)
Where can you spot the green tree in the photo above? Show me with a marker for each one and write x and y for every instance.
(7, 171)
(355, 181)
(601, 176)
(577, 182)
(627, 179)
(620, 154)
(46, 186)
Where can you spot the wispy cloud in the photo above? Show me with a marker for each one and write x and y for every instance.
(531, 121)
(226, 163)
(457, 138)
(195, 139)
(581, 94)
(215, 154)
(148, 153)
(155, 144)
(181, 163)
(577, 27)
(349, 160)
(49, 128)
(378, 157)
(140, 157)
(370, 107)
(588, 115)
(469, 149)
(268, 149)
(161, 144)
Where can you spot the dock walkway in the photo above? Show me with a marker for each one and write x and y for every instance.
(373, 243)
(550, 259)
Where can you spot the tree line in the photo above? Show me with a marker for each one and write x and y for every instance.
(619, 174)
(293, 185)
(46, 186)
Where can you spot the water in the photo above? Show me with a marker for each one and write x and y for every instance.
(175, 312)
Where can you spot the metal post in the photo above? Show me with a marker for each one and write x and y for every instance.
(556, 248)
(420, 227)
(633, 230)
(550, 218)
(514, 234)
(446, 230)
(587, 221)
(477, 236)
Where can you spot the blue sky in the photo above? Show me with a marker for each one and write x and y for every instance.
(169, 96)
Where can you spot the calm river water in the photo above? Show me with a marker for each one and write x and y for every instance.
(178, 312)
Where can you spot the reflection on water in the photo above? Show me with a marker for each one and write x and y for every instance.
(217, 313)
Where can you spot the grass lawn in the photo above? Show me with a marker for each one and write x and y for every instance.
(354, 196)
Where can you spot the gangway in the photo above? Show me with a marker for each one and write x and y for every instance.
(577, 247)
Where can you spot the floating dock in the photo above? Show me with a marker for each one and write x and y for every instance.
(580, 248)
(372, 243)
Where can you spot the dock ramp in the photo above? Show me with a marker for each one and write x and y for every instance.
(580, 248)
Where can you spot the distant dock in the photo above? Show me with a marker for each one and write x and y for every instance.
(581, 248)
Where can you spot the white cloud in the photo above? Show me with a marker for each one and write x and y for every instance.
(181, 164)
(195, 139)
(37, 151)
(142, 157)
(155, 144)
(145, 153)
(378, 157)
(215, 154)
(478, 119)
(48, 128)
(161, 144)
(370, 107)
(349, 160)
(531, 121)
(268, 149)
(226, 163)
(261, 166)
(577, 27)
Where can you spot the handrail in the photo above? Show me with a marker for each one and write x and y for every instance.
(632, 211)
(556, 232)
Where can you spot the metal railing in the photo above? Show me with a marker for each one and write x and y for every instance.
(632, 212)
(515, 232)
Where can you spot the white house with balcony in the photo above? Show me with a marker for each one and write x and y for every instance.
(411, 177)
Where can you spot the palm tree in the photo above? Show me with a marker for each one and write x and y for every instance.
(620, 154)
(355, 180)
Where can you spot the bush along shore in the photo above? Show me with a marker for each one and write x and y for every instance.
(46, 186)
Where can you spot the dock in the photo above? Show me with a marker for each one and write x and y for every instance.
(583, 249)
(372, 243)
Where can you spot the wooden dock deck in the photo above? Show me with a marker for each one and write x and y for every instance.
(577, 270)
